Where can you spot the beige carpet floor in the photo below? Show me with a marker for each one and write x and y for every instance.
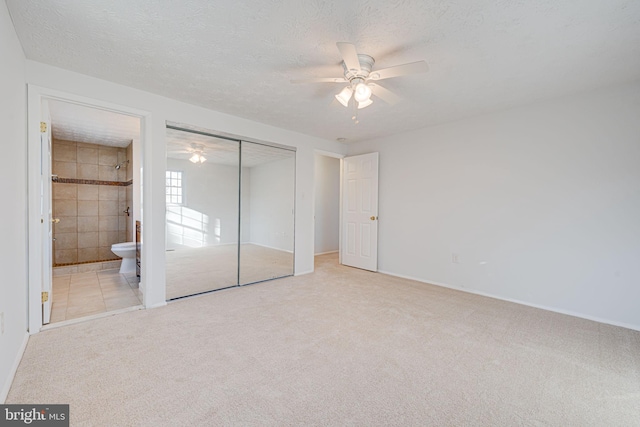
(194, 270)
(338, 347)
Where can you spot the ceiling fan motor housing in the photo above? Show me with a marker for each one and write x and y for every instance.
(366, 64)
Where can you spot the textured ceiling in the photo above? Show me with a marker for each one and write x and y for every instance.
(71, 122)
(182, 145)
(237, 57)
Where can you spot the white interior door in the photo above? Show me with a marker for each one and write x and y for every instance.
(46, 212)
(359, 244)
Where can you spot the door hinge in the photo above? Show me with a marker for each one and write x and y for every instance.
(45, 297)
(43, 127)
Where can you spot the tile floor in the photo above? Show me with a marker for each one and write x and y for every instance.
(84, 294)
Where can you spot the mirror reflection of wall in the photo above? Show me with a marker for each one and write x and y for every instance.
(206, 207)
(268, 213)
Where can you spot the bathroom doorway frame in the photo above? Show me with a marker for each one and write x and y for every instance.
(37, 251)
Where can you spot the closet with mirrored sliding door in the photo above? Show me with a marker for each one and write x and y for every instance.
(230, 208)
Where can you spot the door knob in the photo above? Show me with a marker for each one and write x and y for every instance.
(373, 218)
(55, 220)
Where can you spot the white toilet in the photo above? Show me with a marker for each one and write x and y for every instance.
(127, 251)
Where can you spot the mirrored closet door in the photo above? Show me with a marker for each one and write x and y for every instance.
(268, 201)
(202, 198)
(229, 212)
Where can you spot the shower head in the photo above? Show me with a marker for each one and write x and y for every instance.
(119, 165)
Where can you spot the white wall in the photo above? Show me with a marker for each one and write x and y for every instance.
(13, 219)
(327, 204)
(164, 109)
(542, 204)
(210, 190)
(272, 204)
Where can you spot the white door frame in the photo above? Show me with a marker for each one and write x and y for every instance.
(36, 95)
(46, 211)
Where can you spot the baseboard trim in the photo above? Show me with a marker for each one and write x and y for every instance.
(325, 253)
(516, 301)
(303, 273)
(179, 247)
(160, 304)
(14, 369)
(270, 247)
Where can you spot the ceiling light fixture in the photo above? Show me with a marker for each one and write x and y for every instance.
(362, 93)
(197, 158)
(365, 103)
(359, 89)
(344, 96)
(357, 72)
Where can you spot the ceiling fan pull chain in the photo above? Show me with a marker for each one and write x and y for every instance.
(355, 114)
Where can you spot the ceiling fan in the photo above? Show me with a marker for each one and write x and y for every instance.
(361, 78)
(194, 152)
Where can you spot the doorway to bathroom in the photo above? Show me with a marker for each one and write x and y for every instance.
(94, 205)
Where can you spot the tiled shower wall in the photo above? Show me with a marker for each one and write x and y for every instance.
(89, 199)
(129, 194)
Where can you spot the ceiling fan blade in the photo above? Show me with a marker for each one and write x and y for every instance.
(384, 94)
(400, 70)
(320, 80)
(349, 55)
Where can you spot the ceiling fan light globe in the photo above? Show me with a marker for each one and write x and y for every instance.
(362, 92)
(342, 101)
(364, 104)
(197, 158)
(344, 96)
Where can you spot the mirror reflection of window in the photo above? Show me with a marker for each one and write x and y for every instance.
(174, 188)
